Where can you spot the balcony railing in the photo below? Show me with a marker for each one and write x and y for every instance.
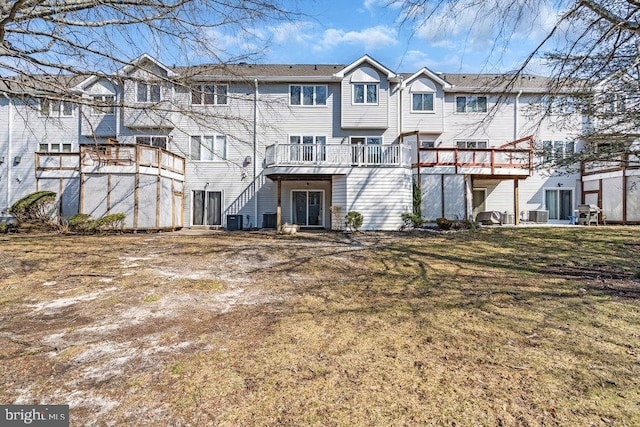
(347, 155)
(92, 158)
(615, 164)
(493, 160)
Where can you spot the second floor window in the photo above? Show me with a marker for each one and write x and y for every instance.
(154, 141)
(148, 92)
(557, 150)
(209, 148)
(471, 104)
(307, 95)
(615, 103)
(54, 108)
(103, 105)
(212, 94)
(365, 93)
(422, 102)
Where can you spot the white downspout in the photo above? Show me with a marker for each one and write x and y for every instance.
(255, 153)
(9, 160)
(515, 116)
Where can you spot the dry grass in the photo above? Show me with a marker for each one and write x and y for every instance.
(505, 327)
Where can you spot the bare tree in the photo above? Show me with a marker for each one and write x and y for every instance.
(591, 50)
(47, 46)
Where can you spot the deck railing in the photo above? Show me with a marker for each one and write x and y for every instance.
(359, 155)
(123, 155)
(494, 159)
(615, 164)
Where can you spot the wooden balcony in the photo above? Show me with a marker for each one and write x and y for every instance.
(616, 165)
(111, 158)
(332, 158)
(507, 160)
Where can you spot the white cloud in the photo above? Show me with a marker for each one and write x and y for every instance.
(288, 32)
(371, 39)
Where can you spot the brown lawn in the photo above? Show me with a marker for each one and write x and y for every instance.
(528, 327)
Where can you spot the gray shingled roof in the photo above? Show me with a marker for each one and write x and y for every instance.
(261, 70)
(286, 72)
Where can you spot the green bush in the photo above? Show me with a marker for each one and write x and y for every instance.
(444, 223)
(35, 208)
(83, 223)
(411, 220)
(110, 222)
(80, 222)
(354, 220)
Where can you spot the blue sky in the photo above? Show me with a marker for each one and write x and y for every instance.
(340, 31)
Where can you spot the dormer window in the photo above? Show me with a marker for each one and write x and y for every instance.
(422, 96)
(365, 93)
(148, 92)
(103, 105)
(365, 83)
(615, 103)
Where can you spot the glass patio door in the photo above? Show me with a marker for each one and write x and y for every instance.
(559, 203)
(207, 207)
(307, 208)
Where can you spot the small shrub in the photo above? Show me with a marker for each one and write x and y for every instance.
(110, 222)
(354, 220)
(34, 208)
(80, 223)
(444, 223)
(83, 223)
(411, 220)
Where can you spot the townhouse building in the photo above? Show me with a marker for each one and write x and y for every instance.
(257, 145)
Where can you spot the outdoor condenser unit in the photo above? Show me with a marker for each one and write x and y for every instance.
(539, 216)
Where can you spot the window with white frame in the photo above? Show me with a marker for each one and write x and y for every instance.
(103, 105)
(54, 147)
(422, 102)
(307, 95)
(471, 104)
(365, 93)
(472, 144)
(212, 148)
(154, 141)
(56, 108)
(210, 94)
(146, 92)
(615, 102)
(557, 150)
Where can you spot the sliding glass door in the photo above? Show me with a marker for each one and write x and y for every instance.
(559, 203)
(306, 208)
